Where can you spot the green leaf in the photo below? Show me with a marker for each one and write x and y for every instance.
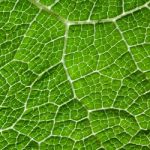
(74, 75)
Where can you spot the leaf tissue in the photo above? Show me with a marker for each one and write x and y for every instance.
(74, 75)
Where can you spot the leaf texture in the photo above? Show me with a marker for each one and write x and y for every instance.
(74, 75)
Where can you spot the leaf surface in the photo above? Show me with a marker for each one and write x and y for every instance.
(75, 75)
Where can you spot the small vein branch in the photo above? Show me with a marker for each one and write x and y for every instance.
(63, 59)
(45, 8)
(128, 47)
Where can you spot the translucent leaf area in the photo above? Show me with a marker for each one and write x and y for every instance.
(74, 75)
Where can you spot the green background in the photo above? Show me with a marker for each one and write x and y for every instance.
(75, 75)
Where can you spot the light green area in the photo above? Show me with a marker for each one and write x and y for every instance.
(75, 75)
